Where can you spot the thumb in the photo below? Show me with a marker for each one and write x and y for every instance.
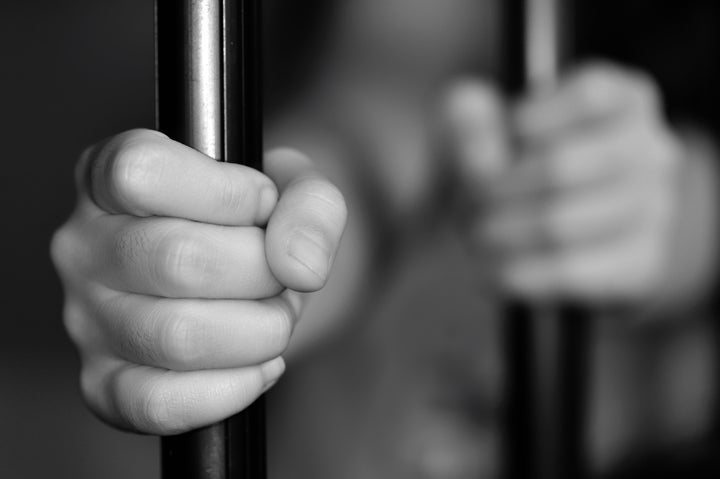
(478, 133)
(304, 230)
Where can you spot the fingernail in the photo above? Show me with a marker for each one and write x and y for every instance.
(310, 251)
(272, 370)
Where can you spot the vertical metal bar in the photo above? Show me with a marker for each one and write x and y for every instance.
(189, 73)
(243, 122)
(546, 345)
(519, 424)
(208, 67)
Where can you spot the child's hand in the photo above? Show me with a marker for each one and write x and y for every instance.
(577, 188)
(178, 270)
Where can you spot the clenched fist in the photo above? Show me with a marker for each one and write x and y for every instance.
(577, 189)
(183, 276)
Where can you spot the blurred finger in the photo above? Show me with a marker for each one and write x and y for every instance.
(625, 269)
(477, 127)
(594, 93)
(567, 219)
(601, 156)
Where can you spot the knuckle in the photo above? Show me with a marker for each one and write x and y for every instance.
(595, 82)
(145, 405)
(183, 263)
(155, 407)
(599, 83)
(279, 329)
(134, 166)
(97, 387)
(179, 343)
(597, 71)
(129, 243)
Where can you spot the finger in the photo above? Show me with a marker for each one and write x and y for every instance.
(179, 259)
(80, 325)
(567, 219)
(477, 128)
(161, 402)
(624, 270)
(594, 93)
(305, 229)
(187, 335)
(144, 173)
(604, 155)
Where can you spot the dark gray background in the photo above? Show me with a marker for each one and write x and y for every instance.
(72, 73)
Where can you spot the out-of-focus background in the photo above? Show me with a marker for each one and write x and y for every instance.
(74, 72)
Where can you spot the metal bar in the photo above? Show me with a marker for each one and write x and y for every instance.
(243, 142)
(189, 66)
(208, 68)
(546, 345)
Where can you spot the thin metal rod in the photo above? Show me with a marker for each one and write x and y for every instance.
(546, 345)
(208, 67)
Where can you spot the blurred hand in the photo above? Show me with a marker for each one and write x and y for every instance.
(182, 276)
(575, 189)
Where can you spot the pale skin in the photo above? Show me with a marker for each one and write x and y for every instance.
(583, 205)
(177, 271)
(182, 309)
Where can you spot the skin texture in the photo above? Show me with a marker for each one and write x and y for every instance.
(177, 325)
